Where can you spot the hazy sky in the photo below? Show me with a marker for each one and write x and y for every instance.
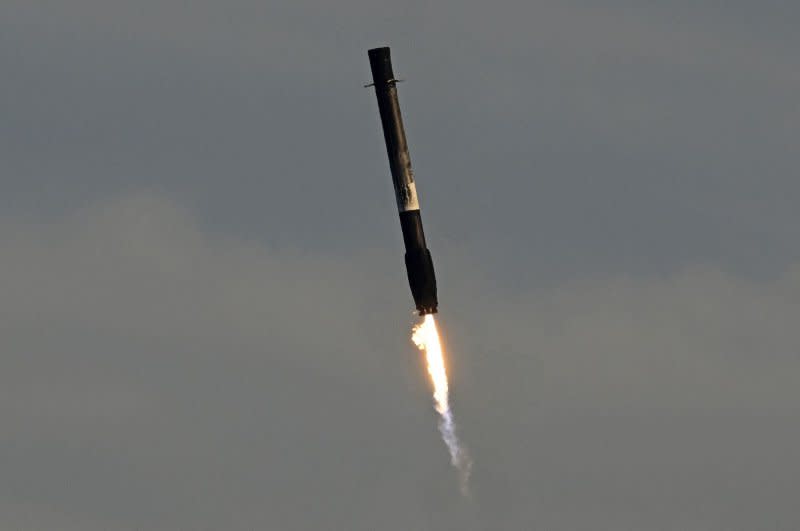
(204, 316)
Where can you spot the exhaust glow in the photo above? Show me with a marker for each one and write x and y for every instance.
(426, 337)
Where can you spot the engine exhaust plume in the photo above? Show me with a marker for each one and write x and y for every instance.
(426, 336)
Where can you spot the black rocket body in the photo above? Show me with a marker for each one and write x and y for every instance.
(419, 264)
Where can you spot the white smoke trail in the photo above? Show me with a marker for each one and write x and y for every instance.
(426, 337)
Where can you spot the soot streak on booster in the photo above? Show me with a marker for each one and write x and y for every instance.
(419, 264)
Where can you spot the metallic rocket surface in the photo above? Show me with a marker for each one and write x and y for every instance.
(419, 264)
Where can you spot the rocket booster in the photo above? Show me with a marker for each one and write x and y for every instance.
(419, 264)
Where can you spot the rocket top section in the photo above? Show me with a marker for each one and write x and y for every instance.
(399, 160)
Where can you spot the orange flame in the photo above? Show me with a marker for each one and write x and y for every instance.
(426, 337)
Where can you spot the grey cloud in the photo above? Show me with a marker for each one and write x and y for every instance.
(156, 375)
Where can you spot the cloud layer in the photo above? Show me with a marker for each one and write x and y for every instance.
(156, 375)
